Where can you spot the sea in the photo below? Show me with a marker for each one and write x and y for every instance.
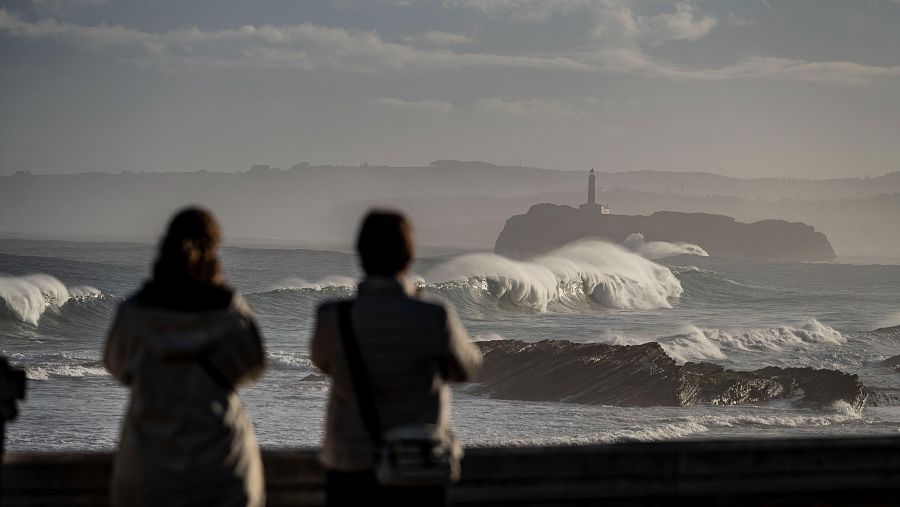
(57, 299)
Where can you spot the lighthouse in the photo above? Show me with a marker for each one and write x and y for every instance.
(592, 189)
(591, 204)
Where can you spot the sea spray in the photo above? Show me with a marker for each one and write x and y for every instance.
(656, 250)
(585, 271)
(28, 297)
(332, 281)
(698, 344)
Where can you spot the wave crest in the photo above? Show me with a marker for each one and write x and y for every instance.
(656, 250)
(64, 370)
(332, 281)
(28, 297)
(698, 344)
(585, 271)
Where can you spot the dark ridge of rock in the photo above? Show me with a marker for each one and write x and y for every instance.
(312, 377)
(821, 387)
(892, 330)
(550, 370)
(892, 362)
(548, 226)
(644, 375)
(884, 396)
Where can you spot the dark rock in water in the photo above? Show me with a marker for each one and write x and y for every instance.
(549, 226)
(638, 375)
(312, 377)
(892, 330)
(644, 375)
(821, 387)
(884, 396)
(892, 362)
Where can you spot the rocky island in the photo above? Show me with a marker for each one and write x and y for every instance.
(548, 226)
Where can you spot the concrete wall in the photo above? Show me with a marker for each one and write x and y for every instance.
(820, 472)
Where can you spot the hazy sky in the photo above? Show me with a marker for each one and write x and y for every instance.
(806, 88)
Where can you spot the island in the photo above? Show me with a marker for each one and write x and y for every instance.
(546, 227)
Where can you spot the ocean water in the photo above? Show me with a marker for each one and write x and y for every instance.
(57, 299)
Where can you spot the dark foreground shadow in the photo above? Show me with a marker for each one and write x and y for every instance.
(812, 471)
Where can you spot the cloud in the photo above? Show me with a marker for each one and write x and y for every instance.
(528, 107)
(619, 47)
(618, 24)
(302, 46)
(440, 39)
(434, 106)
(613, 20)
(631, 60)
(522, 11)
(733, 19)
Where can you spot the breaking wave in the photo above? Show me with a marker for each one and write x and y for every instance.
(43, 366)
(668, 431)
(64, 370)
(698, 344)
(333, 281)
(27, 298)
(687, 426)
(655, 250)
(592, 272)
(280, 359)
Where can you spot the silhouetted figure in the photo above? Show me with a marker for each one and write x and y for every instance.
(410, 348)
(182, 344)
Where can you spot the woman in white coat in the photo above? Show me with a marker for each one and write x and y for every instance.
(182, 344)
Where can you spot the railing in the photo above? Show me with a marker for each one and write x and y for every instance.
(859, 471)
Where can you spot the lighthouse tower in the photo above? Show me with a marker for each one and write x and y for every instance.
(591, 205)
(592, 189)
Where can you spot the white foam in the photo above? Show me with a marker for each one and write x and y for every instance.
(29, 297)
(697, 344)
(656, 250)
(85, 292)
(843, 413)
(63, 370)
(331, 281)
(694, 344)
(667, 431)
(298, 360)
(603, 272)
(489, 337)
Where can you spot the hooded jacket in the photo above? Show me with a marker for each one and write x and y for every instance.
(185, 437)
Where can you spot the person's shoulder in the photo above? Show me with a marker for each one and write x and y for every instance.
(239, 305)
(130, 304)
(329, 306)
(429, 304)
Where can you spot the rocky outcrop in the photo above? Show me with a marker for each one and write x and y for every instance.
(549, 226)
(892, 362)
(644, 375)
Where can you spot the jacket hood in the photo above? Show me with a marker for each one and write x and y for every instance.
(175, 333)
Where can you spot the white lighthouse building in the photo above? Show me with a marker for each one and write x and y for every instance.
(591, 204)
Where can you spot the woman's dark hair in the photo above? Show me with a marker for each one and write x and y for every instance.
(385, 243)
(188, 252)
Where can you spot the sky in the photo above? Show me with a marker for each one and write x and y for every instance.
(795, 88)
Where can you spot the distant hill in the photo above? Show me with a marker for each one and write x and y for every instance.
(453, 203)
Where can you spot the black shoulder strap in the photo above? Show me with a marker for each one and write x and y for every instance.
(216, 374)
(358, 373)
